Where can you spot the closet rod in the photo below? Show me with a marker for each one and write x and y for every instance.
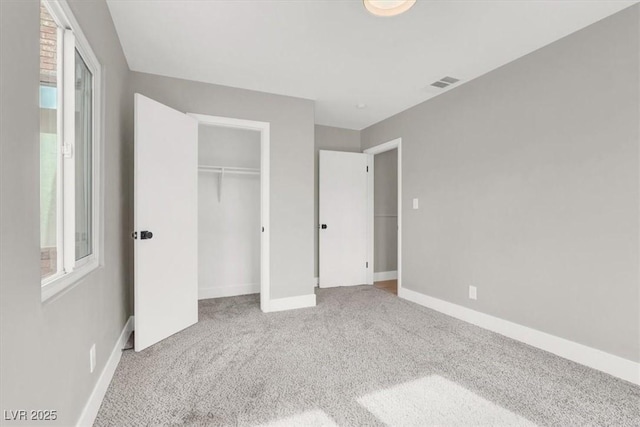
(223, 170)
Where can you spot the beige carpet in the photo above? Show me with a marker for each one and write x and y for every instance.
(361, 357)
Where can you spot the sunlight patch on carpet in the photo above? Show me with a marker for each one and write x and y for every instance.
(434, 400)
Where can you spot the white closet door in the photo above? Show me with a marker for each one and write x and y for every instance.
(166, 205)
(343, 218)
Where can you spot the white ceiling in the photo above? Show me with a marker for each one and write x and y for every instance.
(335, 52)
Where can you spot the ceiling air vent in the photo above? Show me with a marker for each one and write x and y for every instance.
(439, 84)
(445, 81)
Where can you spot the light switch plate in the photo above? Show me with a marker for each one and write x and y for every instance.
(415, 203)
(473, 292)
(92, 358)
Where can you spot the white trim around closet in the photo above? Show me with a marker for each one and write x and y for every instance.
(378, 149)
(292, 303)
(265, 134)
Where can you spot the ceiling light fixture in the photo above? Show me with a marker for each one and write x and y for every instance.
(388, 7)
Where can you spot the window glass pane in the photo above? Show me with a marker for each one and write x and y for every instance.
(83, 158)
(49, 194)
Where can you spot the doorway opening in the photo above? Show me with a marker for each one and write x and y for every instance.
(384, 235)
(233, 211)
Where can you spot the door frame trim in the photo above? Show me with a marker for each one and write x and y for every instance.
(265, 237)
(378, 149)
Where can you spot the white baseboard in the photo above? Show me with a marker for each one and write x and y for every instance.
(588, 356)
(385, 275)
(292, 303)
(228, 291)
(90, 411)
(341, 286)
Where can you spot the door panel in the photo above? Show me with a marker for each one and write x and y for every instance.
(166, 204)
(343, 210)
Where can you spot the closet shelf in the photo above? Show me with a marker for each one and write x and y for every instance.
(228, 169)
(223, 170)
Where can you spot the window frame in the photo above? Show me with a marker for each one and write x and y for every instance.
(71, 38)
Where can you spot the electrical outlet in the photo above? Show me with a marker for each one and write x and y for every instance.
(415, 203)
(473, 292)
(92, 358)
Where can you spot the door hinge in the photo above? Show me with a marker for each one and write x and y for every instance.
(367, 264)
(367, 168)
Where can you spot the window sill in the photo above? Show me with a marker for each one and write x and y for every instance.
(68, 280)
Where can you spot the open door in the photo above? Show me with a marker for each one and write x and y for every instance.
(343, 219)
(165, 221)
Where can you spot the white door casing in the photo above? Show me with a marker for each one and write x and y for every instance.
(371, 152)
(343, 210)
(265, 144)
(165, 204)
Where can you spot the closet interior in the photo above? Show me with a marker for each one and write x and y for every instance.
(228, 211)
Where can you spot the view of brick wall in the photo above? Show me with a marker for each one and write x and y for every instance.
(48, 47)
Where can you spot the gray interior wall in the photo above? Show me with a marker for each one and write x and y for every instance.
(528, 180)
(291, 151)
(385, 208)
(336, 139)
(45, 346)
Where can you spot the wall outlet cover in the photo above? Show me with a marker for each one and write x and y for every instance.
(473, 292)
(415, 203)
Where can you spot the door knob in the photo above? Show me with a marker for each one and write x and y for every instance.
(146, 235)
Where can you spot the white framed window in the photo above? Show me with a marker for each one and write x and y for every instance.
(70, 151)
